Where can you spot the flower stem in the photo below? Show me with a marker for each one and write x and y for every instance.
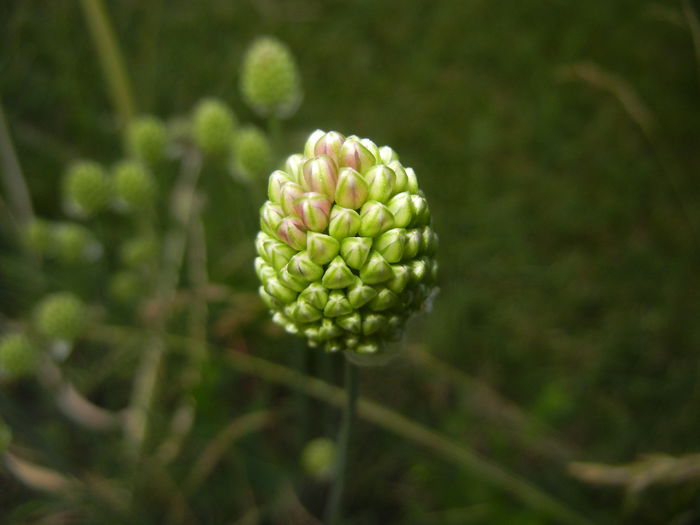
(336, 496)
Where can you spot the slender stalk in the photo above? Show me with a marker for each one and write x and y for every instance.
(336, 497)
(13, 179)
(111, 59)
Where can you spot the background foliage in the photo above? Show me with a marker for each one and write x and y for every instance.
(557, 143)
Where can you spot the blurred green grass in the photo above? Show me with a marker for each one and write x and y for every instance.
(568, 271)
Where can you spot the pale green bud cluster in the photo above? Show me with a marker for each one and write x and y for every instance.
(125, 286)
(18, 357)
(146, 139)
(72, 243)
(139, 251)
(134, 185)
(5, 437)
(87, 188)
(61, 316)
(347, 252)
(318, 457)
(252, 153)
(213, 127)
(270, 78)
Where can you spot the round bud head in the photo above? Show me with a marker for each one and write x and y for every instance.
(146, 139)
(213, 127)
(139, 251)
(270, 79)
(73, 243)
(37, 236)
(61, 316)
(346, 253)
(318, 458)
(252, 153)
(87, 188)
(125, 287)
(134, 185)
(5, 437)
(18, 356)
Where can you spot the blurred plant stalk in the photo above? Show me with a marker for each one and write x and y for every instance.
(12, 176)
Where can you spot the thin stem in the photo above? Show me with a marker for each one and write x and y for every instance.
(13, 179)
(111, 59)
(336, 497)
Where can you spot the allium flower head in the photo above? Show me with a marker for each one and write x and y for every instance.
(61, 316)
(146, 139)
(270, 78)
(134, 184)
(213, 127)
(346, 251)
(87, 188)
(18, 356)
(252, 153)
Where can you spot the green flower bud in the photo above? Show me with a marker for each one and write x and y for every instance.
(61, 316)
(269, 78)
(6, 439)
(146, 139)
(318, 458)
(352, 190)
(139, 251)
(87, 188)
(213, 127)
(252, 153)
(37, 236)
(134, 185)
(346, 281)
(18, 357)
(73, 243)
(125, 287)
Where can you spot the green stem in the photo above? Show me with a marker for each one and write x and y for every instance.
(14, 182)
(111, 59)
(336, 497)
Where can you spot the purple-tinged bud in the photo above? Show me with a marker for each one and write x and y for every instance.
(367, 347)
(262, 239)
(398, 282)
(380, 180)
(270, 302)
(316, 295)
(372, 323)
(352, 189)
(337, 275)
(289, 193)
(304, 268)
(384, 300)
(263, 270)
(337, 305)
(275, 183)
(329, 330)
(321, 248)
(310, 145)
(344, 222)
(418, 268)
(372, 148)
(414, 239)
(401, 182)
(279, 291)
(422, 213)
(387, 155)
(401, 207)
(291, 281)
(354, 155)
(355, 250)
(277, 254)
(305, 312)
(320, 174)
(390, 244)
(375, 218)
(292, 231)
(314, 210)
(359, 294)
(329, 144)
(271, 216)
(351, 323)
(293, 167)
(376, 270)
(412, 183)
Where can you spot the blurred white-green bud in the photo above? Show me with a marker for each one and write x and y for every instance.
(252, 153)
(18, 356)
(61, 316)
(213, 127)
(146, 139)
(270, 80)
(346, 252)
(134, 185)
(37, 236)
(318, 458)
(87, 188)
(73, 243)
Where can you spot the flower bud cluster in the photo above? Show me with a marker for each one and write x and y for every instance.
(18, 356)
(61, 316)
(146, 139)
(252, 153)
(346, 251)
